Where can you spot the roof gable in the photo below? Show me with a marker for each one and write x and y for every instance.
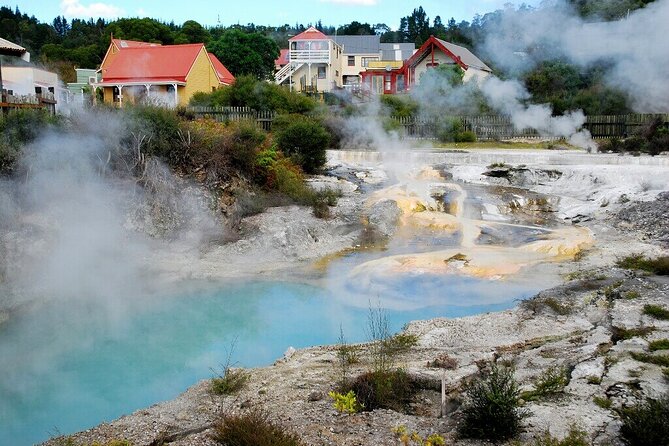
(311, 33)
(138, 63)
(224, 75)
(461, 55)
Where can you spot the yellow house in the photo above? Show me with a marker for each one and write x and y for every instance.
(170, 75)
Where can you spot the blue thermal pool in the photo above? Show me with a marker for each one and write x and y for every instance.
(68, 366)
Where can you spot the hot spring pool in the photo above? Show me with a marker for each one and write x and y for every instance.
(68, 367)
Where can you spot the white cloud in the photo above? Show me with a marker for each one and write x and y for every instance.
(74, 8)
(353, 2)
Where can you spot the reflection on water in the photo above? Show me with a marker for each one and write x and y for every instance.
(71, 368)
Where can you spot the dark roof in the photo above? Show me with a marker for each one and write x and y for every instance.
(359, 44)
(389, 51)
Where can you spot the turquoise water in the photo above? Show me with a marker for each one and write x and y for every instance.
(67, 367)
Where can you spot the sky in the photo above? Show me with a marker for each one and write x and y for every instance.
(261, 12)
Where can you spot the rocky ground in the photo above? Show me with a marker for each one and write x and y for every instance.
(592, 328)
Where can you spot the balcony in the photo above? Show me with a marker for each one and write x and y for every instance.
(309, 56)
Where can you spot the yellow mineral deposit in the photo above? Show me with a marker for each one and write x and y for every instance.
(483, 261)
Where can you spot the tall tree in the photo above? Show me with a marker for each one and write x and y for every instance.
(246, 53)
(356, 29)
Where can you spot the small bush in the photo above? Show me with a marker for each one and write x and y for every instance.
(659, 265)
(229, 382)
(306, 142)
(656, 311)
(384, 390)
(646, 423)
(661, 360)
(466, 136)
(660, 344)
(602, 402)
(550, 382)
(621, 334)
(345, 403)
(632, 295)
(665, 372)
(18, 128)
(576, 437)
(413, 438)
(253, 428)
(492, 410)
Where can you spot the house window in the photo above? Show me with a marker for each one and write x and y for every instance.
(400, 82)
(351, 61)
(321, 72)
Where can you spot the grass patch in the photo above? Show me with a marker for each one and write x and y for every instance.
(492, 410)
(632, 295)
(646, 423)
(660, 344)
(661, 360)
(252, 429)
(575, 437)
(536, 304)
(550, 382)
(665, 372)
(621, 334)
(229, 382)
(656, 311)
(659, 265)
(592, 379)
(602, 402)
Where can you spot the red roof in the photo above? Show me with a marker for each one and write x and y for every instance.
(282, 59)
(310, 34)
(159, 62)
(123, 43)
(224, 76)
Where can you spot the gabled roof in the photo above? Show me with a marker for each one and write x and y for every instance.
(282, 59)
(465, 55)
(151, 63)
(311, 33)
(224, 76)
(461, 55)
(389, 51)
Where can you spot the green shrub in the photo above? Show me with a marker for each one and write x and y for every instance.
(659, 265)
(550, 382)
(449, 129)
(242, 146)
(392, 389)
(646, 423)
(661, 360)
(466, 136)
(306, 142)
(660, 344)
(18, 128)
(491, 410)
(656, 311)
(602, 402)
(399, 106)
(229, 381)
(253, 428)
(621, 334)
(345, 403)
(157, 129)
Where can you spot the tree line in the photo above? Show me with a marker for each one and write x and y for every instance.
(251, 49)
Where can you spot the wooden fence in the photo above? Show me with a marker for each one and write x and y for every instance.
(263, 119)
(496, 127)
(486, 127)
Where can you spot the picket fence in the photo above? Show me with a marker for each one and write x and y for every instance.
(263, 119)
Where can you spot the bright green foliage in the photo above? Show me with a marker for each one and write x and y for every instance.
(229, 382)
(399, 106)
(246, 53)
(492, 410)
(345, 403)
(647, 423)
